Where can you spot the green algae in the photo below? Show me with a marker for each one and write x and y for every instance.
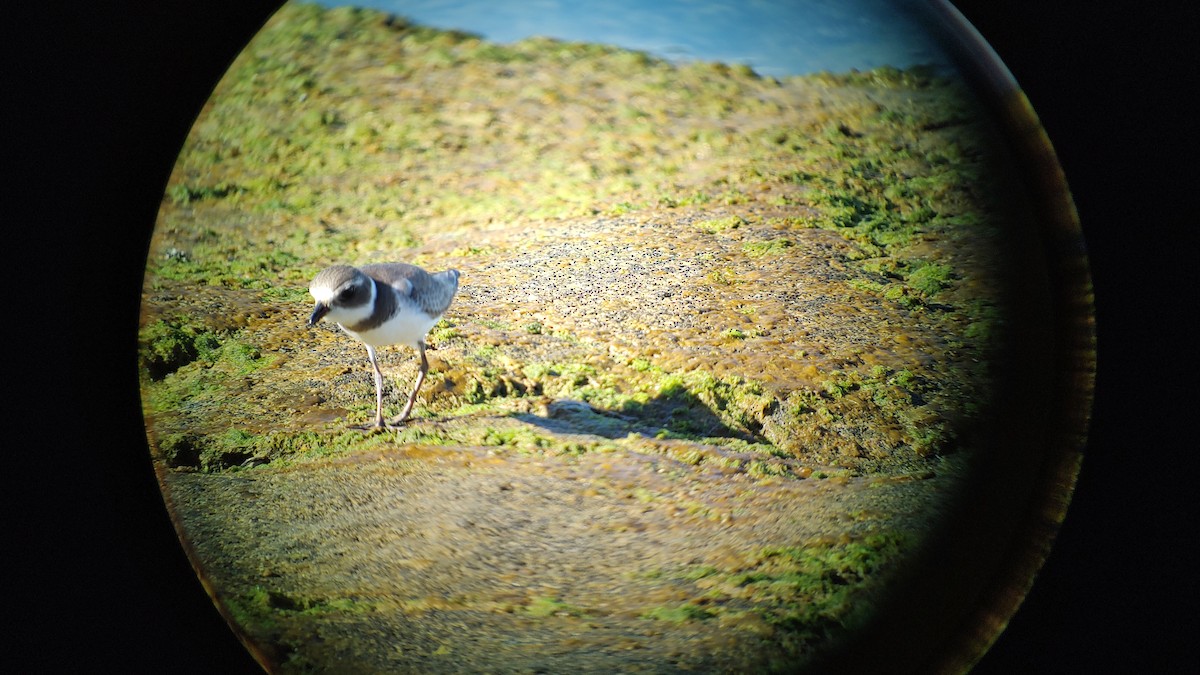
(543, 606)
(757, 249)
(801, 595)
(165, 347)
(721, 224)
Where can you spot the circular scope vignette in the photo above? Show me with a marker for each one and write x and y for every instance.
(694, 337)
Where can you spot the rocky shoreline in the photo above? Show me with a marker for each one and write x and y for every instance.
(719, 348)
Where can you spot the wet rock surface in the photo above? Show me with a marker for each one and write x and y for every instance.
(463, 559)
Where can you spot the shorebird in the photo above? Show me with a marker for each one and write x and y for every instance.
(384, 304)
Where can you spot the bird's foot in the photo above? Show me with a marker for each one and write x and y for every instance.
(377, 425)
(390, 425)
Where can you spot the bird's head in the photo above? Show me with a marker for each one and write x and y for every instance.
(343, 293)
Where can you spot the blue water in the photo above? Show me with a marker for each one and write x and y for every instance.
(774, 37)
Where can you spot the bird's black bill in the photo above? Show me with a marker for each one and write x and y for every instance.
(319, 311)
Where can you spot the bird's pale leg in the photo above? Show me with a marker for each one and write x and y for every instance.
(420, 378)
(378, 392)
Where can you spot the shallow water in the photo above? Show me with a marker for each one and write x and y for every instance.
(791, 37)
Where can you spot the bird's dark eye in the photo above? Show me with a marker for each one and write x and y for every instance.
(346, 294)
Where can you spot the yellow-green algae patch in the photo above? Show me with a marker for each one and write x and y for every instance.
(717, 353)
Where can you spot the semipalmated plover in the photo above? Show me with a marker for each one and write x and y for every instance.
(384, 304)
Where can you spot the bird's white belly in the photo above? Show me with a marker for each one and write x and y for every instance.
(408, 326)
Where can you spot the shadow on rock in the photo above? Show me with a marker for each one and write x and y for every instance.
(678, 413)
